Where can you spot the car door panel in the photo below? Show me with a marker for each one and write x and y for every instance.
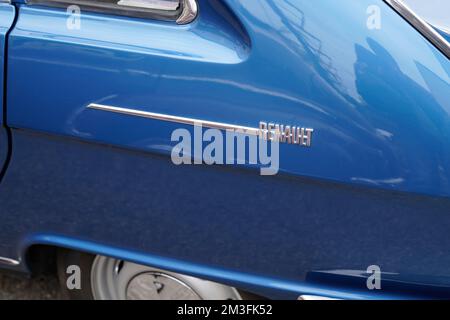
(7, 15)
(265, 236)
(217, 76)
(96, 175)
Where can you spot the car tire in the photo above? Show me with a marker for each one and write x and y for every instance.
(104, 278)
(67, 258)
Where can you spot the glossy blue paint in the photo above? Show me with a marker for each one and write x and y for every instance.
(445, 34)
(295, 73)
(266, 286)
(7, 14)
(3, 149)
(373, 189)
(218, 218)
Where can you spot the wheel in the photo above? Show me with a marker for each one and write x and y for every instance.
(103, 278)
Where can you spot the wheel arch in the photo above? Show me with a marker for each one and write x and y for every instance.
(264, 286)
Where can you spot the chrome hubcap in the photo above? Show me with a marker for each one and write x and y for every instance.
(158, 286)
(113, 279)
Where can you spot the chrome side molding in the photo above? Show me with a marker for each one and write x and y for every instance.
(421, 25)
(315, 298)
(268, 131)
(9, 262)
(175, 119)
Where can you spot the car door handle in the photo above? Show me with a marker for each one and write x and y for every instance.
(180, 11)
(189, 12)
(189, 8)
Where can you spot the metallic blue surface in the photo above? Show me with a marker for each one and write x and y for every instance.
(276, 227)
(3, 147)
(274, 287)
(373, 189)
(296, 72)
(7, 13)
(445, 34)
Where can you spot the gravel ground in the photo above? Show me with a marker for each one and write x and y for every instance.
(14, 287)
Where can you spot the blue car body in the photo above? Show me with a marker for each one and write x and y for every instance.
(374, 189)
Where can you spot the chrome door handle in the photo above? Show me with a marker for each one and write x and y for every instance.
(189, 12)
(188, 8)
(180, 11)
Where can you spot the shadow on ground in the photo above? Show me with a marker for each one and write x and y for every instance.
(45, 287)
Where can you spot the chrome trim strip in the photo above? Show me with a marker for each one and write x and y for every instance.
(162, 5)
(9, 262)
(421, 25)
(189, 13)
(175, 119)
(315, 298)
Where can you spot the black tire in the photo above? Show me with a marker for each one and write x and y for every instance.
(66, 258)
